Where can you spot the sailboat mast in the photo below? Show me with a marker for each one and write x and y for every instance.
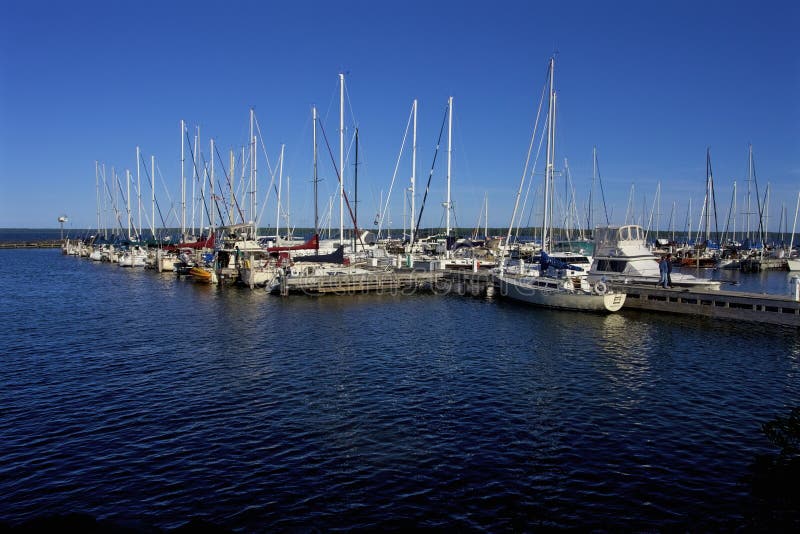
(211, 181)
(549, 163)
(591, 189)
(449, 160)
(97, 194)
(749, 179)
(411, 228)
(139, 192)
(153, 195)
(709, 192)
(252, 144)
(231, 193)
(734, 210)
(794, 224)
(486, 222)
(128, 179)
(105, 202)
(341, 159)
(278, 211)
(355, 181)
(316, 178)
(672, 221)
(183, 180)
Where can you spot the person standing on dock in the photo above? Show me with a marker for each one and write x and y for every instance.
(665, 268)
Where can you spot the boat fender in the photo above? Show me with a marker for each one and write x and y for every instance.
(246, 264)
(600, 288)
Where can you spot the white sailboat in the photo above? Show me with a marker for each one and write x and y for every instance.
(553, 283)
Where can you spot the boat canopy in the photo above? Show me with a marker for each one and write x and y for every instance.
(611, 235)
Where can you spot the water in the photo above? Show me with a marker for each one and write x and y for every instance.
(134, 396)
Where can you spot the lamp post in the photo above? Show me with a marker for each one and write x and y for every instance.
(62, 220)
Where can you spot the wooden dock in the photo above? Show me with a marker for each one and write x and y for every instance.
(400, 281)
(761, 308)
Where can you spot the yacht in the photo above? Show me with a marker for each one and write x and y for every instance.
(622, 256)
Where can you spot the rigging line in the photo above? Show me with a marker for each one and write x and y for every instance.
(152, 186)
(602, 191)
(758, 201)
(214, 196)
(272, 172)
(266, 199)
(113, 203)
(396, 167)
(124, 202)
(728, 218)
(530, 180)
(430, 175)
(261, 140)
(527, 163)
(713, 195)
(230, 184)
(169, 197)
(339, 176)
(197, 175)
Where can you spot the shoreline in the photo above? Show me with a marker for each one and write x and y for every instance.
(31, 244)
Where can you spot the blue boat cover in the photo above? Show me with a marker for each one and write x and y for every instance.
(548, 261)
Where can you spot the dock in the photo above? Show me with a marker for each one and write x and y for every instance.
(754, 307)
(31, 244)
(399, 281)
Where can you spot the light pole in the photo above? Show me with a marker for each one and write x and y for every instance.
(62, 220)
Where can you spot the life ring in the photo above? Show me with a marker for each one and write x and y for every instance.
(600, 288)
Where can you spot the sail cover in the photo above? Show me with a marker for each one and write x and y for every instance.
(549, 261)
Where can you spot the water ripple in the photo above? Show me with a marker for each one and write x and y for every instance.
(159, 400)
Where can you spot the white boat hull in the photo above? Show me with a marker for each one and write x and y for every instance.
(794, 264)
(526, 289)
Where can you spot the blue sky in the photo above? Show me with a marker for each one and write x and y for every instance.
(651, 84)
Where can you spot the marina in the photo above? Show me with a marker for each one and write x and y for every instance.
(369, 267)
(689, 296)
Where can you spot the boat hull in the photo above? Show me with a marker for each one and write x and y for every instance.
(202, 275)
(523, 290)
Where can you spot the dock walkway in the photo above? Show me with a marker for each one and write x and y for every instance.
(392, 282)
(762, 308)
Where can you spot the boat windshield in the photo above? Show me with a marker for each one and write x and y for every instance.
(631, 232)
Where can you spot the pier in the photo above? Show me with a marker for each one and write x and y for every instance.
(32, 244)
(398, 281)
(754, 307)
(393, 282)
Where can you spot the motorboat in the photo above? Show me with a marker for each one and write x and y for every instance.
(621, 256)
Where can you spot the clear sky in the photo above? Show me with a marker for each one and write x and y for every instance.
(651, 84)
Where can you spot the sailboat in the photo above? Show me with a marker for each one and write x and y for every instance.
(552, 282)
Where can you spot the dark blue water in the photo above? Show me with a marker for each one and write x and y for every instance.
(134, 396)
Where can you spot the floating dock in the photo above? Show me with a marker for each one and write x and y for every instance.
(391, 282)
(755, 307)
